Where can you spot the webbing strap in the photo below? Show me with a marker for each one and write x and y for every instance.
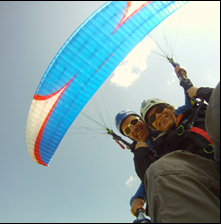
(201, 132)
(195, 114)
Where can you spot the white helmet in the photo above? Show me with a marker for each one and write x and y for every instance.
(146, 106)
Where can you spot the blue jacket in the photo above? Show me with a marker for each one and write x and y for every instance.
(141, 192)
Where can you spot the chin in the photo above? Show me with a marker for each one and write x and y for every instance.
(144, 138)
(168, 127)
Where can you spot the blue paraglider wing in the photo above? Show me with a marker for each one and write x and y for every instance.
(83, 63)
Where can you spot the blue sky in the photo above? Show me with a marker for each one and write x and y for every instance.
(88, 180)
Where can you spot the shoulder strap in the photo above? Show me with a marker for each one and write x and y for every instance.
(201, 132)
(185, 125)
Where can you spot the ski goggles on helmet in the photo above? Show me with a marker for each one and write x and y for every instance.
(158, 110)
(133, 122)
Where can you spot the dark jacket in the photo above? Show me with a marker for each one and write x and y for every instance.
(192, 119)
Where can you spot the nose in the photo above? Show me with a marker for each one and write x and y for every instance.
(133, 128)
(157, 116)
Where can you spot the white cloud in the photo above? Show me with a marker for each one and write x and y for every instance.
(172, 79)
(134, 63)
(130, 181)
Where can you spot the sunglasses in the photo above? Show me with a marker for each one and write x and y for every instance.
(158, 110)
(133, 122)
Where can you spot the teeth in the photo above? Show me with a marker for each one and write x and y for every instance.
(162, 120)
(139, 133)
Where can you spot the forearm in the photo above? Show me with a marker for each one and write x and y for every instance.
(142, 161)
(204, 92)
(140, 193)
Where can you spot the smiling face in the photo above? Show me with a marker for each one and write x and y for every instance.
(164, 120)
(139, 132)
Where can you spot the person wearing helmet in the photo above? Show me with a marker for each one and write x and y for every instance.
(130, 124)
(168, 176)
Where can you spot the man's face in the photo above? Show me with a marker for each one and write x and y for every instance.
(139, 132)
(163, 120)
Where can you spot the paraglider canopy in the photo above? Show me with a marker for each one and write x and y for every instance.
(81, 66)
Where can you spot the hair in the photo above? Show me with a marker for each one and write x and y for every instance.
(171, 108)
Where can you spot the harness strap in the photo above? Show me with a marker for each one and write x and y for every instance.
(178, 119)
(195, 114)
(152, 153)
(201, 132)
(199, 142)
